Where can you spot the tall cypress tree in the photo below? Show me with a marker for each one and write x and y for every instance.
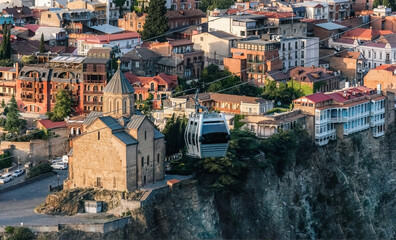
(7, 50)
(3, 43)
(156, 21)
(42, 46)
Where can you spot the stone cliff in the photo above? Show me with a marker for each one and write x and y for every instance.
(344, 190)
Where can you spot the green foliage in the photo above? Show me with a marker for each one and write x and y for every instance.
(281, 93)
(62, 107)
(174, 134)
(5, 160)
(212, 4)
(147, 106)
(298, 86)
(120, 4)
(276, 110)
(376, 3)
(386, 3)
(28, 60)
(13, 123)
(156, 23)
(39, 169)
(5, 47)
(237, 123)
(3, 104)
(183, 166)
(6, 62)
(22, 233)
(42, 44)
(9, 229)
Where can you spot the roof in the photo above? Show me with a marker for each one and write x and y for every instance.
(221, 97)
(330, 26)
(135, 121)
(365, 34)
(91, 117)
(111, 37)
(180, 42)
(32, 27)
(170, 80)
(125, 138)
(223, 35)
(119, 84)
(48, 124)
(310, 74)
(158, 134)
(27, 47)
(387, 67)
(318, 97)
(348, 54)
(96, 60)
(140, 53)
(67, 59)
(108, 29)
(277, 75)
(18, 12)
(171, 62)
(184, 14)
(277, 15)
(7, 69)
(111, 123)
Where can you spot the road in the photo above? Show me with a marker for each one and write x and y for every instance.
(16, 206)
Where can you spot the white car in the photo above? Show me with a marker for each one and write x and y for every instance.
(59, 166)
(6, 178)
(18, 172)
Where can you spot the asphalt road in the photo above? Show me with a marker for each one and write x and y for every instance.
(17, 206)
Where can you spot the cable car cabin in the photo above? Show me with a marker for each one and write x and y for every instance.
(207, 135)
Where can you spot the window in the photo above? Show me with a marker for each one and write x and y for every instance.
(98, 182)
(139, 25)
(98, 135)
(137, 64)
(242, 33)
(114, 182)
(145, 135)
(49, 15)
(148, 160)
(142, 161)
(296, 45)
(158, 157)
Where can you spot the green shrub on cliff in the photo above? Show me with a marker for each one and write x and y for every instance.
(21, 233)
(39, 169)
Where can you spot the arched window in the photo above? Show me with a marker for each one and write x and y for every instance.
(148, 159)
(124, 106)
(98, 135)
(158, 157)
(95, 88)
(152, 87)
(95, 99)
(118, 107)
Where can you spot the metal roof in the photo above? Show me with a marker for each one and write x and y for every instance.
(135, 121)
(91, 117)
(67, 59)
(108, 29)
(158, 134)
(125, 138)
(330, 26)
(111, 123)
(119, 84)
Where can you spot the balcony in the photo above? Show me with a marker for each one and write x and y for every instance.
(255, 61)
(93, 92)
(29, 89)
(378, 122)
(325, 134)
(26, 99)
(92, 103)
(378, 134)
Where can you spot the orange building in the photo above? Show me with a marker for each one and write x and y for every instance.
(384, 75)
(159, 86)
(132, 21)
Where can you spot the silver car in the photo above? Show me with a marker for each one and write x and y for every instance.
(6, 178)
(18, 172)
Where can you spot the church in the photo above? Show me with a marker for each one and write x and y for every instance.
(120, 149)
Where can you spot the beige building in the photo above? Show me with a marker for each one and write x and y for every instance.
(119, 149)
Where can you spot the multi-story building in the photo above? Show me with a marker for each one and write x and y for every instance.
(385, 75)
(300, 51)
(132, 21)
(53, 36)
(338, 9)
(7, 82)
(22, 14)
(127, 144)
(125, 42)
(75, 21)
(352, 66)
(97, 8)
(266, 125)
(182, 4)
(97, 70)
(326, 31)
(313, 80)
(140, 61)
(314, 10)
(257, 57)
(184, 18)
(216, 45)
(382, 51)
(160, 86)
(181, 52)
(335, 114)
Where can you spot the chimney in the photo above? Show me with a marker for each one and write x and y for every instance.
(108, 37)
(378, 88)
(16, 68)
(346, 85)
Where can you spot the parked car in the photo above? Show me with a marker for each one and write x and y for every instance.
(58, 159)
(59, 166)
(18, 172)
(6, 178)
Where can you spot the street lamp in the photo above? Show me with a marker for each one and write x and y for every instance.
(58, 179)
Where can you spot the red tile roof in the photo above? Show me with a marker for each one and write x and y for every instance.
(48, 124)
(111, 37)
(180, 42)
(277, 14)
(362, 34)
(170, 80)
(387, 67)
(318, 97)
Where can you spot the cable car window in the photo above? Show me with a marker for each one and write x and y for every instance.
(189, 138)
(214, 133)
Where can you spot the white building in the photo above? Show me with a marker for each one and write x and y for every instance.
(314, 10)
(338, 9)
(301, 51)
(356, 109)
(125, 41)
(382, 51)
(44, 3)
(238, 25)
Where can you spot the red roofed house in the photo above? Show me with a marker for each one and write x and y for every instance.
(364, 34)
(59, 128)
(159, 86)
(126, 41)
(344, 112)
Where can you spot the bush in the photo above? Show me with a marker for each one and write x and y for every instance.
(39, 169)
(22, 233)
(9, 229)
(276, 110)
(5, 160)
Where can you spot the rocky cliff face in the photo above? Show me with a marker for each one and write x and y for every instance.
(345, 190)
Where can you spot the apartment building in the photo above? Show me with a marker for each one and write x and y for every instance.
(352, 66)
(384, 75)
(184, 18)
(312, 80)
(132, 21)
(97, 8)
(300, 51)
(342, 113)
(140, 61)
(314, 10)
(338, 9)
(125, 42)
(254, 58)
(382, 51)
(74, 20)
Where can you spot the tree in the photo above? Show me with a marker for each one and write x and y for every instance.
(120, 4)
(3, 44)
(386, 3)
(147, 104)
(62, 107)
(6, 62)
(42, 45)
(28, 59)
(376, 3)
(7, 50)
(212, 4)
(280, 92)
(13, 123)
(156, 21)
(174, 134)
